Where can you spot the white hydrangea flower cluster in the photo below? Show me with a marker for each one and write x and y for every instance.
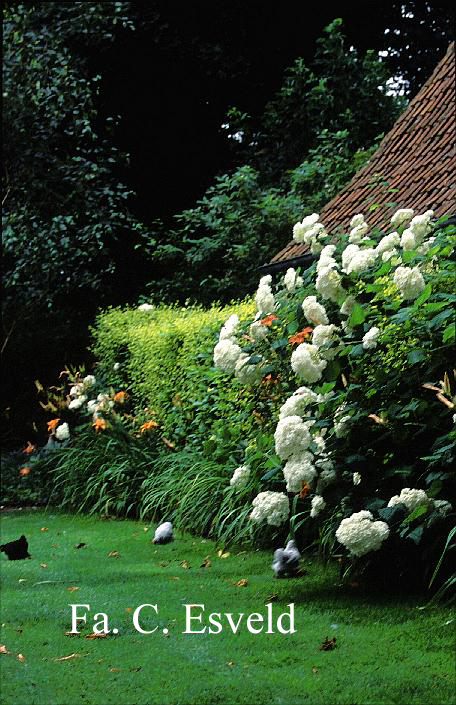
(370, 338)
(264, 298)
(258, 331)
(409, 281)
(292, 280)
(240, 477)
(246, 373)
(307, 363)
(62, 432)
(360, 534)
(145, 307)
(419, 227)
(299, 469)
(329, 283)
(308, 231)
(411, 498)
(314, 312)
(317, 505)
(272, 507)
(292, 437)
(387, 247)
(226, 355)
(323, 337)
(229, 328)
(401, 216)
(359, 228)
(78, 392)
(297, 404)
(358, 260)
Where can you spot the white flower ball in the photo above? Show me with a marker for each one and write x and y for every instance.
(291, 280)
(317, 504)
(77, 403)
(357, 219)
(240, 476)
(313, 311)
(273, 507)
(292, 437)
(370, 338)
(297, 404)
(403, 215)
(360, 534)
(229, 327)
(258, 331)
(329, 284)
(299, 469)
(389, 242)
(226, 355)
(307, 363)
(411, 498)
(62, 432)
(245, 373)
(361, 260)
(409, 281)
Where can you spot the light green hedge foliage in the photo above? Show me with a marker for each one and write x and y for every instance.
(165, 358)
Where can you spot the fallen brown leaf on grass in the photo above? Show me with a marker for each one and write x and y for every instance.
(113, 554)
(206, 563)
(44, 528)
(135, 670)
(146, 528)
(21, 658)
(174, 577)
(22, 580)
(272, 597)
(4, 650)
(94, 635)
(67, 658)
(242, 583)
(54, 545)
(163, 564)
(328, 644)
(230, 663)
(115, 670)
(185, 564)
(73, 588)
(80, 545)
(128, 609)
(44, 565)
(314, 669)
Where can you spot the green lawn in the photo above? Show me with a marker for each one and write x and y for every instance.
(387, 650)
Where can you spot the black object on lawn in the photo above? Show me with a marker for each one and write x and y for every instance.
(16, 550)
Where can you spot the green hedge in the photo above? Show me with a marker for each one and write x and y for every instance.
(166, 365)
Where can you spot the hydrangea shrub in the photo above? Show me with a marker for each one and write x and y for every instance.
(365, 449)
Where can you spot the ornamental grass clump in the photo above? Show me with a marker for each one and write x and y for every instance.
(376, 415)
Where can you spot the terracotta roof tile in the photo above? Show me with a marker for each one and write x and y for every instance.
(417, 157)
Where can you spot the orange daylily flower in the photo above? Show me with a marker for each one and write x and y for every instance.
(148, 426)
(305, 489)
(300, 337)
(53, 424)
(268, 320)
(29, 449)
(25, 471)
(120, 397)
(100, 425)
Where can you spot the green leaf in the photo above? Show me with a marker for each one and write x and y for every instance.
(415, 356)
(416, 535)
(357, 316)
(449, 334)
(427, 291)
(417, 512)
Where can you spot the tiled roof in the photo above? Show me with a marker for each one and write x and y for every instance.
(417, 157)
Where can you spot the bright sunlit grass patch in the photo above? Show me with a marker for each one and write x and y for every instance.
(386, 651)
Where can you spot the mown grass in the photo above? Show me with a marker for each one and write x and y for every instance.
(387, 650)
